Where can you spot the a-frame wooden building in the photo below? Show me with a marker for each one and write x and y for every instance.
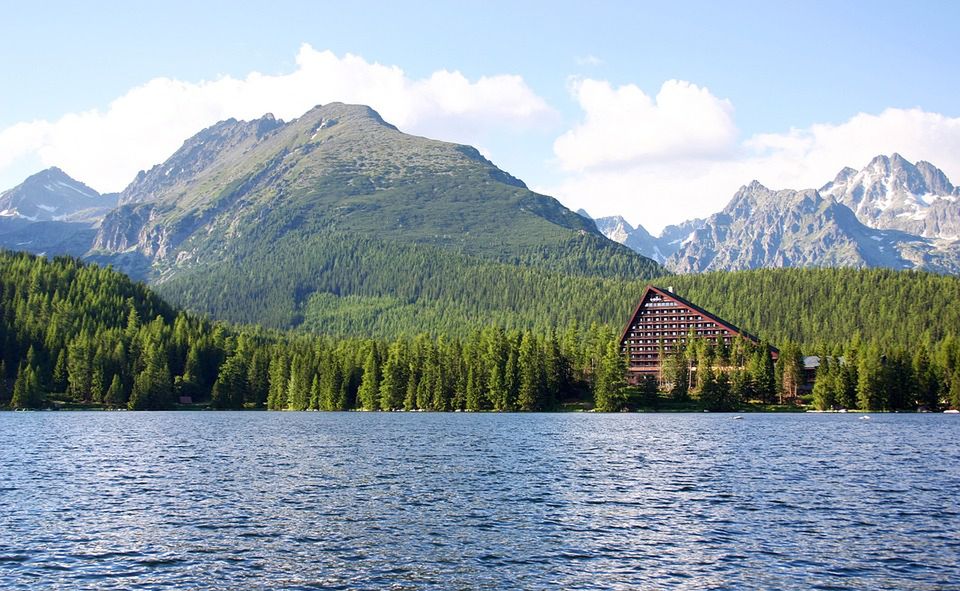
(662, 322)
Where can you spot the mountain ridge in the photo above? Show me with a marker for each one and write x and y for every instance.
(891, 213)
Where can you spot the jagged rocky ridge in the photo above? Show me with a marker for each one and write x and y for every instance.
(50, 212)
(889, 214)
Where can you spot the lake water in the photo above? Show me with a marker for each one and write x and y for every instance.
(209, 500)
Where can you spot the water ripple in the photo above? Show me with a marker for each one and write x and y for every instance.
(468, 501)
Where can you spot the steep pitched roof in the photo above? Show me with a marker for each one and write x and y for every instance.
(672, 296)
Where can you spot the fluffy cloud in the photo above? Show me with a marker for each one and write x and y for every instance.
(675, 158)
(106, 148)
(624, 126)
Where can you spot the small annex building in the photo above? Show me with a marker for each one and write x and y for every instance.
(662, 322)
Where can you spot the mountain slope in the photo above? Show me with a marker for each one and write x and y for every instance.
(339, 167)
(280, 212)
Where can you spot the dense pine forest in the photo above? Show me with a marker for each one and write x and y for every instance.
(78, 334)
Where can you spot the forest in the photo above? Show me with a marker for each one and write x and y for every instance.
(79, 335)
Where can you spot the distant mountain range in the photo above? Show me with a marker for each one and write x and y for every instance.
(891, 213)
(338, 214)
(51, 212)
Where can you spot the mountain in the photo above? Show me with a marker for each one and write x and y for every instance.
(51, 195)
(266, 221)
(765, 228)
(638, 239)
(891, 213)
(51, 213)
(892, 193)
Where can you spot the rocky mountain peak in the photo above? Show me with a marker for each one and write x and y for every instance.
(615, 228)
(891, 193)
(52, 194)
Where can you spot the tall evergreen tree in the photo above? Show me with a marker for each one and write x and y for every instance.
(27, 392)
(152, 387)
(608, 389)
(368, 396)
(393, 386)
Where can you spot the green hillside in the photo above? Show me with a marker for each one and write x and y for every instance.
(76, 334)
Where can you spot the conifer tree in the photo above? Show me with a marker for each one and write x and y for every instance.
(649, 394)
(678, 370)
(954, 393)
(710, 395)
(279, 381)
(531, 390)
(825, 388)
(870, 385)
(393, 386)
(368, 394)
(608, 391)
(152, 387)
(298, 387)
(229, 391)
(927, 385)
(27, 392)
(115, 396)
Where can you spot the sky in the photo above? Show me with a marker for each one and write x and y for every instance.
(652, 110)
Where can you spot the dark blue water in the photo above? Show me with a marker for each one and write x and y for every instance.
(467, 501)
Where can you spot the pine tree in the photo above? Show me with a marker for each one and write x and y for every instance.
(740, 388)
(710, 395)
(825, 388)
(393, 386)
(152, 387)
(870, 384)
(115, 396)
(954, 392)
(79, 368)
(530, 395)
(927, 386)
(678, 372)
(473, 398)
(279, 381)
(368, 394)
(60, 372)
(298, 387)
(316, 394)
(608, 391)
(649, 395)
(27, 392)
(258, 379)
(790, 370)
(229, 391)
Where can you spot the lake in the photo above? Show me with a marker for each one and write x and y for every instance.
(251, 500)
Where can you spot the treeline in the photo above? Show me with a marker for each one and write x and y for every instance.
(362, 287)
(76, 333)
(88, 335)
(870, 376)
(819, 309)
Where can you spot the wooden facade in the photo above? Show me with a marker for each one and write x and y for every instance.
(662, 322)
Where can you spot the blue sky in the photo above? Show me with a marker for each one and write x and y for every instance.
(606, 105)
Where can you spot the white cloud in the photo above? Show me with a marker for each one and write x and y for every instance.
(666, 161)
(105, 148)
(624, 126)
